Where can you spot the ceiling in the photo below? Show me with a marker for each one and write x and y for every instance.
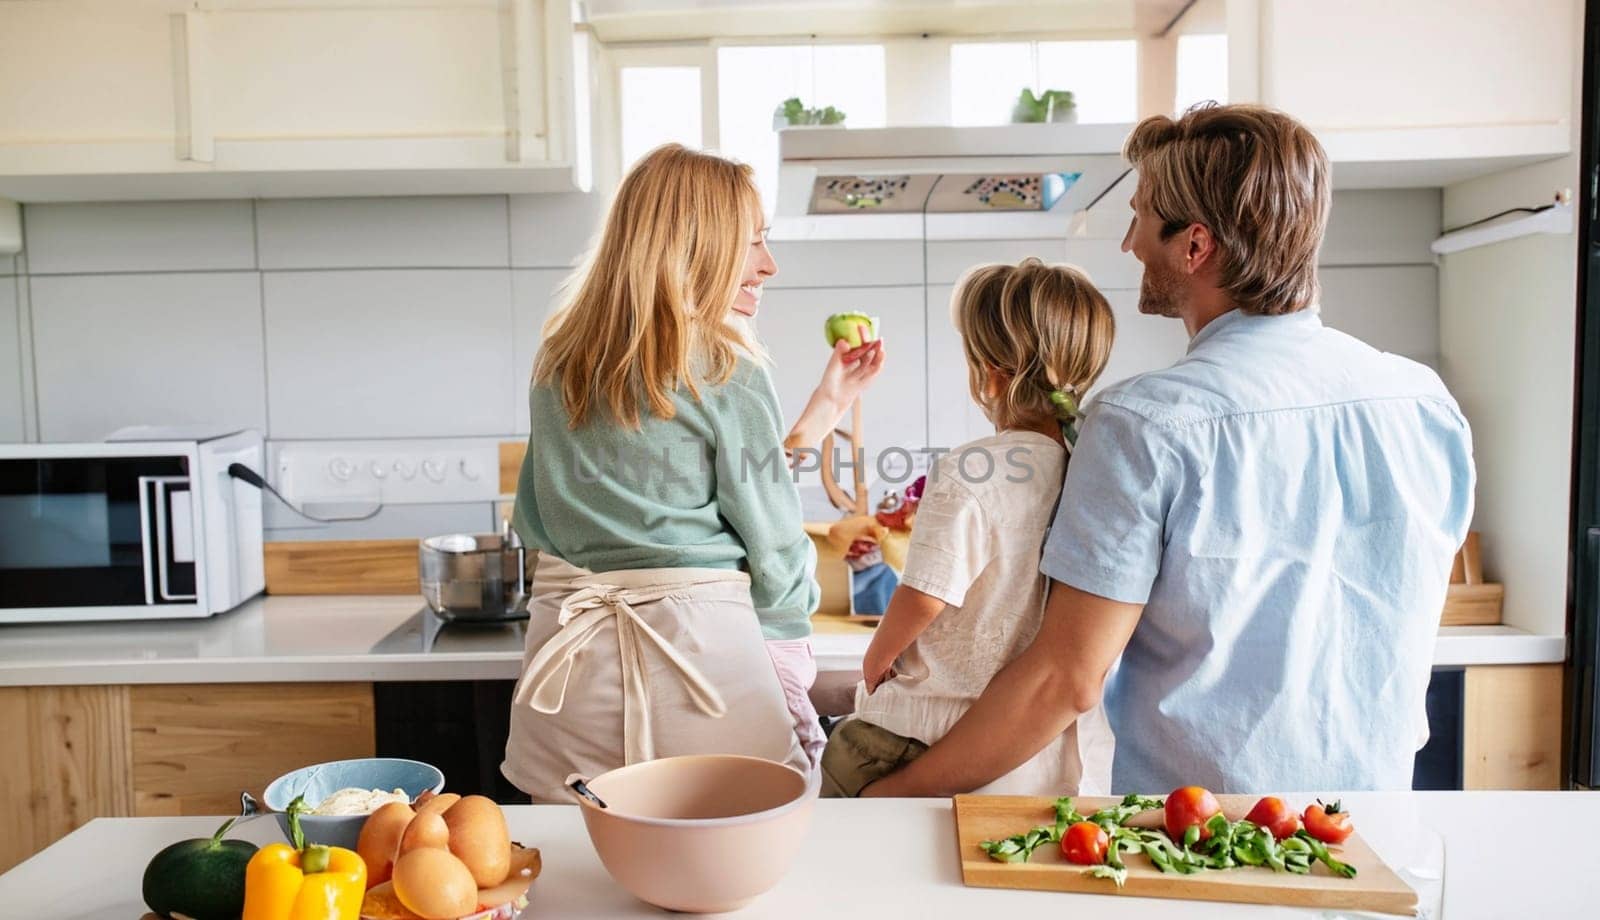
(681, 20)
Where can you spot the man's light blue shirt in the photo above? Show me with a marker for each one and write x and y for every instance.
(1286, 502)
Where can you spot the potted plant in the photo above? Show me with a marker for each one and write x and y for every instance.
(1051, 105)
(794, 114)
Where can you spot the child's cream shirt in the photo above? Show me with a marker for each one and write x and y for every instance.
(975, 545)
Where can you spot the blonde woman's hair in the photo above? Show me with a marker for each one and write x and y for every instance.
(648, 311)
(1042, 327)
(1257, 179)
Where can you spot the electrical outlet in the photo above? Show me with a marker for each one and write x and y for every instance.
(407, 472)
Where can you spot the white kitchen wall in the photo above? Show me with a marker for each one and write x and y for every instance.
(552, 231)
(164, 348)
(458, 232)
(390, 354)
(533, 292)
(420, 317)
(859, 263)
(153, 236)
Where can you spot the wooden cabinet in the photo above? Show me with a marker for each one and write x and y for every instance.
(1512, 727)
(77, 753)
(262, 98)
(196, 747)
(1493, 727)
(66, 759)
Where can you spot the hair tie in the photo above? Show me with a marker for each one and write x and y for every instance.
(1065, 399)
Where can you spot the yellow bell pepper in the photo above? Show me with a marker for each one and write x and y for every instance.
(283, 882)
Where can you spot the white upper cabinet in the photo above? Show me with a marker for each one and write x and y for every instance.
(1420, 92)
(130, 99)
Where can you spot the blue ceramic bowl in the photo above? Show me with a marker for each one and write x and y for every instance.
(321, 780)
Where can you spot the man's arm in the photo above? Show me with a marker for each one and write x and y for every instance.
(1031, 701)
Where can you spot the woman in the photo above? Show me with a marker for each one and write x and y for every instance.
(654, 486)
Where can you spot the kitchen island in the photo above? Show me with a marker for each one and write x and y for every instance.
(885, 858)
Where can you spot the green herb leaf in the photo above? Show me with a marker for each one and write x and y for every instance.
(1320, 851)
(1117, 874)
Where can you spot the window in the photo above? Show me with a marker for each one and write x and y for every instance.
(986, 78)
(658, 105)
(1202, 70)
(753, 81)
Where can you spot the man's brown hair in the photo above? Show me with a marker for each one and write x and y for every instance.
(1257, 179)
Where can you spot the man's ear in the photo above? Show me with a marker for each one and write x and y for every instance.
(1201, 249)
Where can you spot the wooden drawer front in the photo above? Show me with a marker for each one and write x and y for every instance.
(195, 748)
(64, 761)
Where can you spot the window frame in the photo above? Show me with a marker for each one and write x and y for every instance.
(933, 58)
(620, 57)
(1140, 50)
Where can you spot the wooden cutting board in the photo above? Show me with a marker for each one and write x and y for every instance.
(991, 817)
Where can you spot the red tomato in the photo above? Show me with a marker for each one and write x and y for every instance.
(1189, 806)
(1085, 843)
(1275, 816)
(1328, 823)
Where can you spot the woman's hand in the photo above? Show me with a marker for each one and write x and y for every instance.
(848, 372)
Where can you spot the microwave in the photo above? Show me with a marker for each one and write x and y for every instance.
(132, 528)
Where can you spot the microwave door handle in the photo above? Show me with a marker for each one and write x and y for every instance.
(145, 483)
(163, 499)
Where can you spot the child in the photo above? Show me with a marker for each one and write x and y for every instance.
(971, 596)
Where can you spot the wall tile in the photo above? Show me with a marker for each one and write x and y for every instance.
(532, 299)
(394, 522)
(160, 349)
(1392, 308)
(390, 354)
(553, 231)
(441, 232)
(1382, 227)
(11, 428)
(842, 263)
(1103, 259)
(138, 236)
(8, 265)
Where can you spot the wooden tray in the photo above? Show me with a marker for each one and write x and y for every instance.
(1473, 605)
(1470, 600)
(984, 817)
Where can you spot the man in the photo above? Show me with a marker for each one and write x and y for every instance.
(1263, 532)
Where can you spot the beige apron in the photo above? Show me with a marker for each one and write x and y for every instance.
(632, 665)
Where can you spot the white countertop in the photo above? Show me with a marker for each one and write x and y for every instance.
(378, 638)
(890, 858)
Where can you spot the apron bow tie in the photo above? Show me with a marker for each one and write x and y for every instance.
(583, 614)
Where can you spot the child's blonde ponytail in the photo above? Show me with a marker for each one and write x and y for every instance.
(1036, 336)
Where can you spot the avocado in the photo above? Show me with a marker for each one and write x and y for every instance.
(201, 878)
